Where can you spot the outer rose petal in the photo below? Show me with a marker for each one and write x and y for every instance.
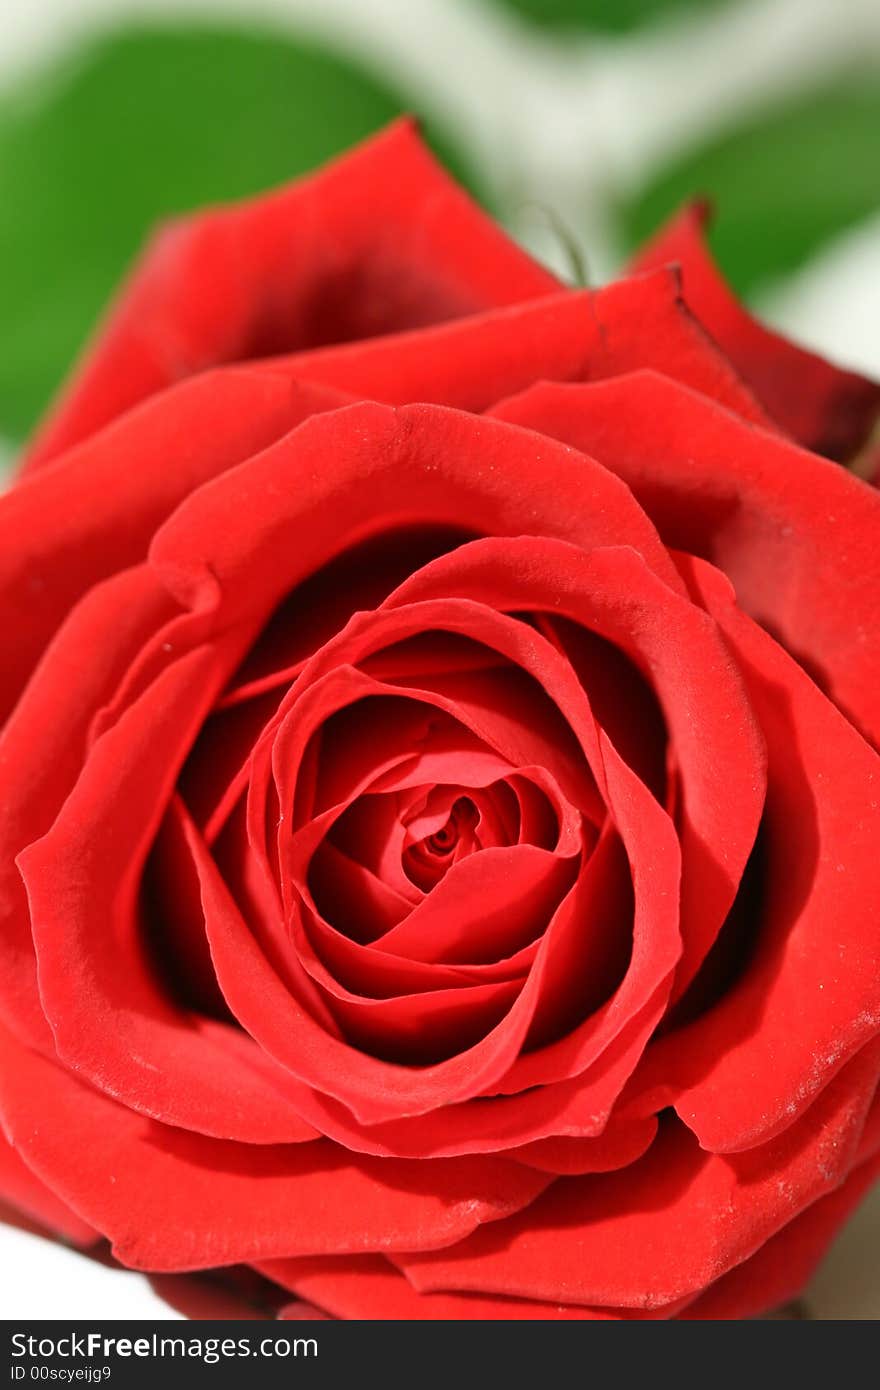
(298, 1311)
(667, 1226)
(823, 407)
(367, 1287)
(202, 1298)
(797, 537)
(110, 1019)
(584, 335)
(780, 1269)
(380, 240)
(24, 1191)
(54, 717)
(809, 999)
(172, 1200)
(366, 470)
(98, 508)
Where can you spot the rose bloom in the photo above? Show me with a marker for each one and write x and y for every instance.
(440, 805)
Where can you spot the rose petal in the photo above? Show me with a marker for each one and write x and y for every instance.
(173, 925)
(367, 469)
(54, 717)
(486, 908)
(169, 1199)
(715, 740)
(797, 536)
(619, 1144)
(668, 1225)
(513, 1125)
(27, 1194)
(91, 516)
(637, 1005)
(368, 1287)
(110, 1018)
(820, 405)
(358, 578)
(382, 239)
(809, 998)
(780, 1270)
(581, 335)
(204, 1298)
(416, 1029)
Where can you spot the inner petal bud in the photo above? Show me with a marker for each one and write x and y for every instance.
(438, 835)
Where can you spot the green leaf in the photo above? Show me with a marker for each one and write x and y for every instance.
(141, 124)
(600, 16)
(784, 182)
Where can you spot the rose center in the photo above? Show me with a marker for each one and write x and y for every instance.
(462, 819)
(427, 857)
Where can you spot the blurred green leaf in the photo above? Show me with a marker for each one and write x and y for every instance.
(600, 16)
(141, 124)
(783, 183)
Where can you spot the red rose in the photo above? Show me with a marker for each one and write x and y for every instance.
(440, 798)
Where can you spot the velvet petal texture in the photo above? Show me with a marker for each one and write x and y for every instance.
(781, 1269)
(796, 536)
(64, 692)
(24, 1191)
(667, 1226)
(171, 1199)
(90, 517)
(810, 999)
(380, 240)
(109, 1017)
(367, 470)
(821, 406)
(370, 1287)
(575, 335)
